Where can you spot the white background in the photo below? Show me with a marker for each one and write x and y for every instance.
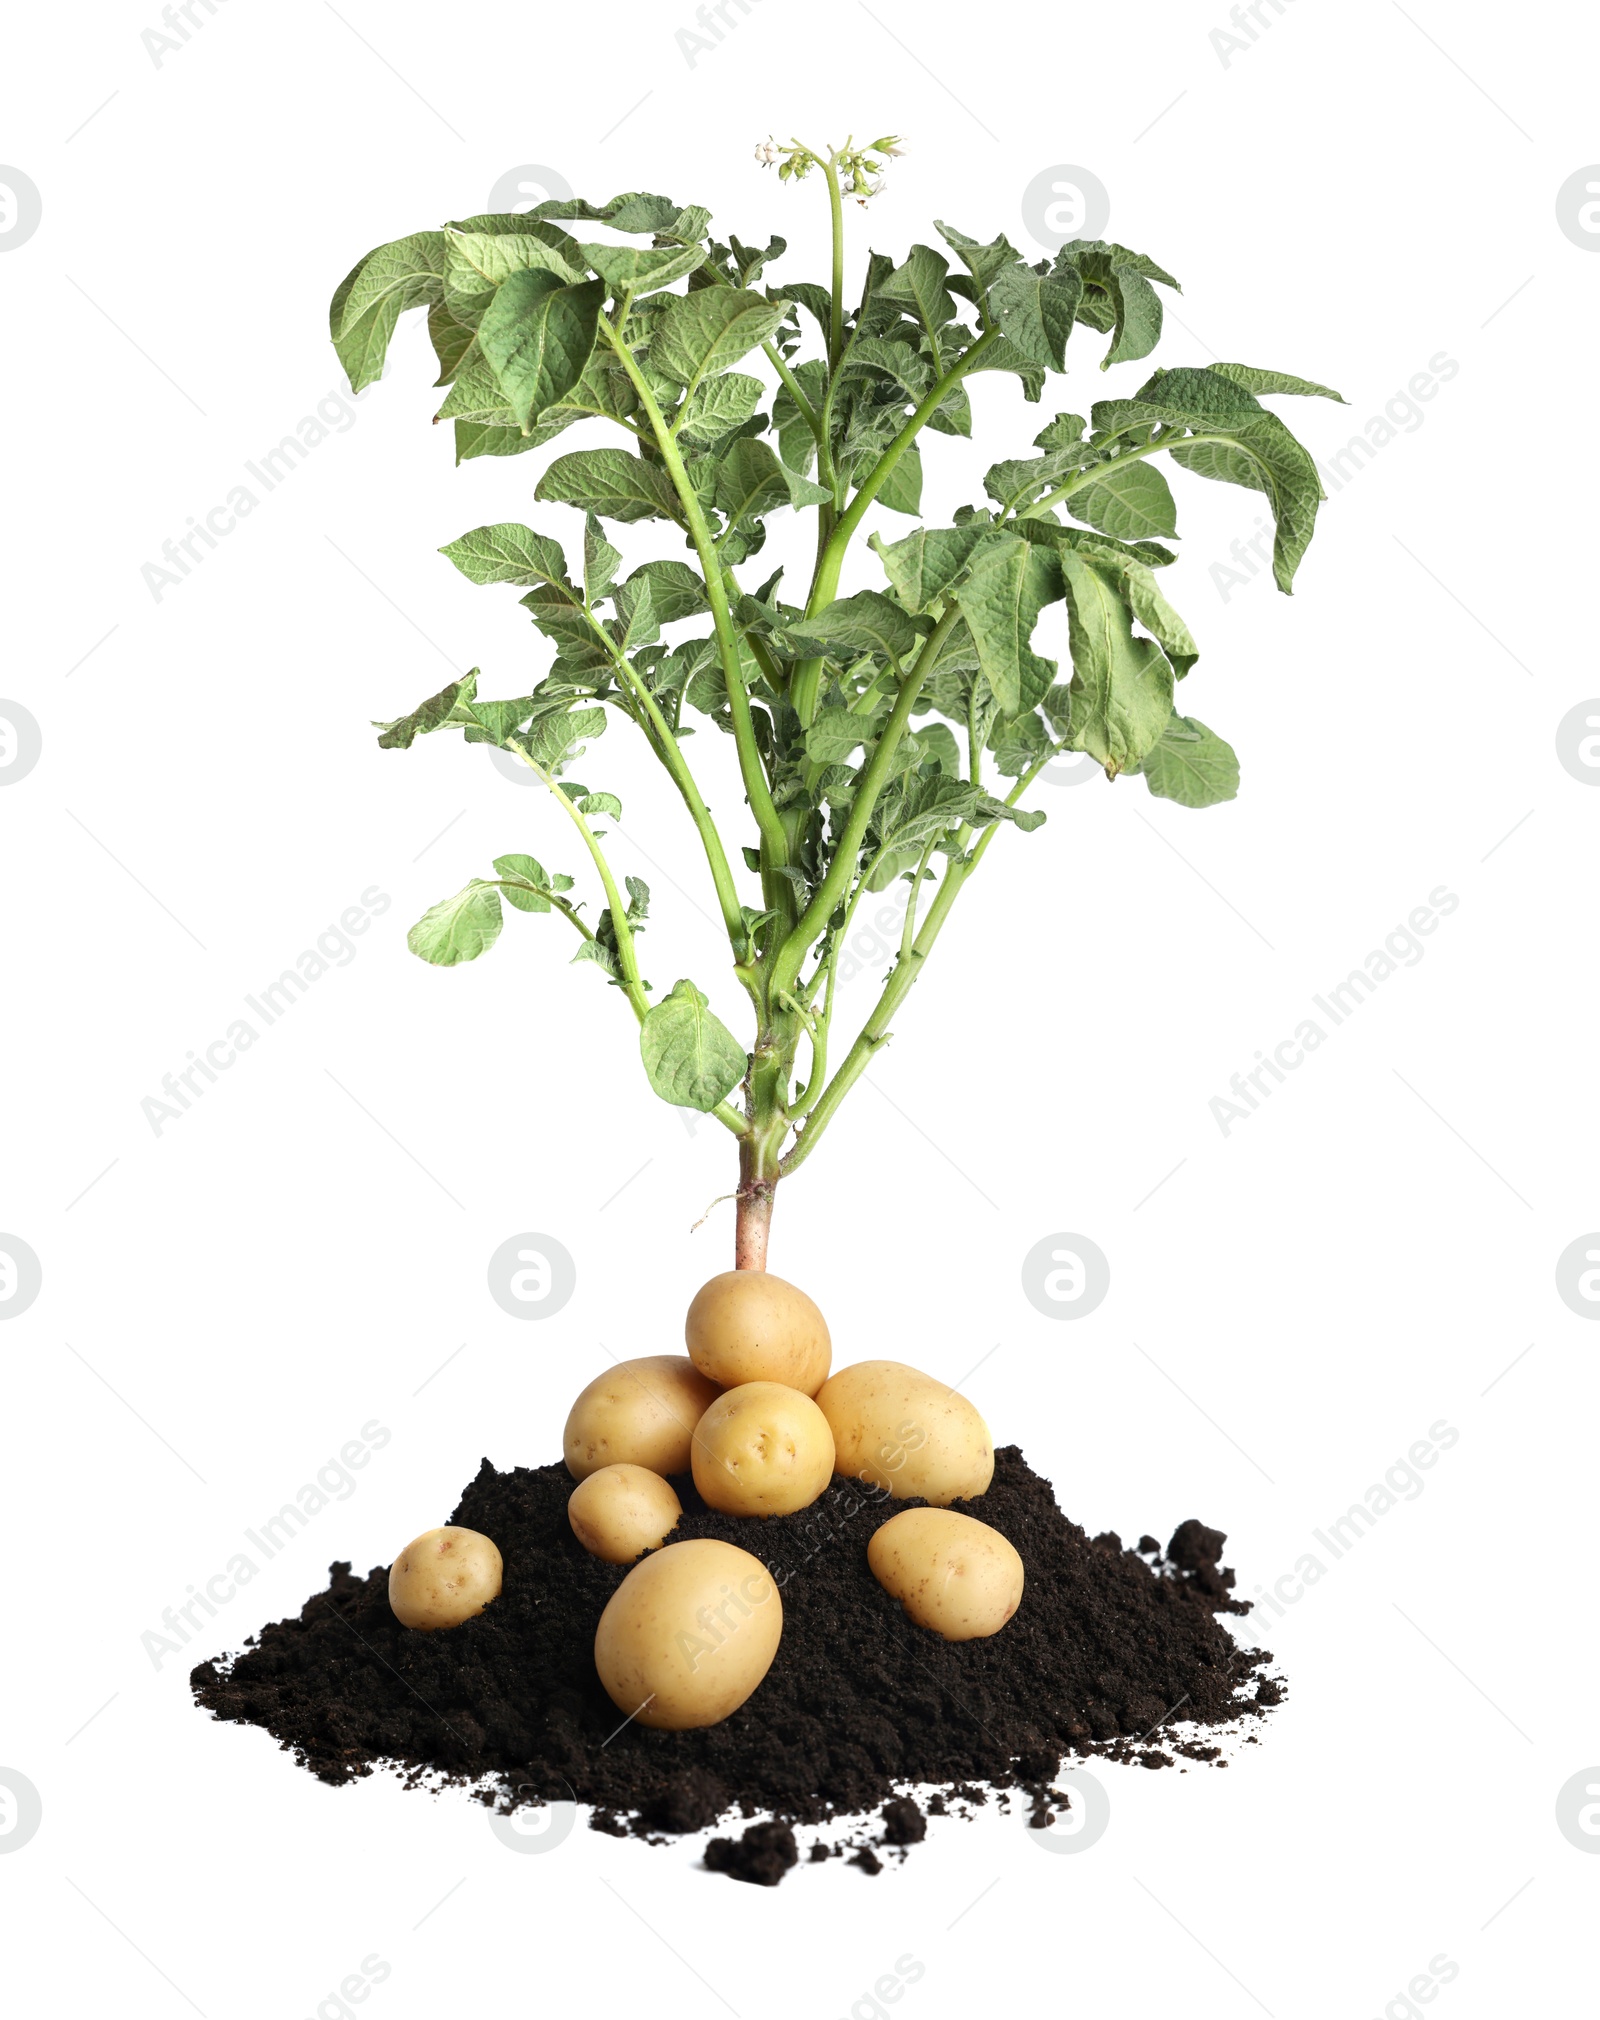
(231, 1300)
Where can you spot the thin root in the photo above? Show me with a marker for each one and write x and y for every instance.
(721, 1196)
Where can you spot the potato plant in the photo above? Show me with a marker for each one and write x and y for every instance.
(891, 732)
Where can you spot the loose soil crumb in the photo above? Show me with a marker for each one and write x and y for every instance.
(762, 1854)
(1107, 1654)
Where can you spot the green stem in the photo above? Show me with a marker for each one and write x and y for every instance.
(724, 1112)
(875, 1032)
(855, 512)
(627, 961)
(671, 754)
(1097, 471)
(796, 391)
(830, 893)
(836, 217)
(817, 1032)
(557, 903)
(862, 885)
(774, 842)
(909, 929)
(805, 687)
(902, 978)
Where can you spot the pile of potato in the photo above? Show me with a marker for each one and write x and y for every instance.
(753, 1413)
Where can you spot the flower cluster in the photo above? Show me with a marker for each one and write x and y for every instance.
(860, 169)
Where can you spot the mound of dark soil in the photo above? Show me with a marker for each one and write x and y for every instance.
(1109, 1654)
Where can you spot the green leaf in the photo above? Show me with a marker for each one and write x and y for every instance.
(718, 406)
(496, 721)
(1256, 450)
(929, 804)
(1003, 356)
(527, 886)
(923, 565)
(1117, 295)
(507, 552)
(709, 330)
(1121, 685)
(602, 955)
(600, 561)
(983, 262)
(371, 298)
(637, 211)
(899, 363)
(989, 810)
(919, 283)
(429, 715)
(836, 733)
(676, 590)
(865, 622)
(751, 480)
(451, 341)
(750, 261)
(553, 739)
(796, 443)
(1018, 741)
(953, 415)
(537, 336)
(1130, 502)
(476, 395)
(903, 490)
(1150, 607)
(1255, 380)
(1050, 533)
(1015, 484)
(481, 438)
(937, 742)
(603, 390)
(1008, 582)
(810, 296)
(557, 609)
(692, 1058)
(636, 612)
(1192, 765)
(1036, 312)
(611, 482)
(627, 269)
(601, 803)
(460, 928)
(477, 263)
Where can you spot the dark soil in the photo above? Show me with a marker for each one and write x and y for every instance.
(1108, 1655)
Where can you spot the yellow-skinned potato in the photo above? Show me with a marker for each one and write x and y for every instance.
(762, 1449)
(620, 1512)
(688, 1634)
(442, 1577)
(902, 1430)
(957, 1576)
(639, 1413)
(749, 1326)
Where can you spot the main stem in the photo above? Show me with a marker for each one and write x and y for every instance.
(761, 1147)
